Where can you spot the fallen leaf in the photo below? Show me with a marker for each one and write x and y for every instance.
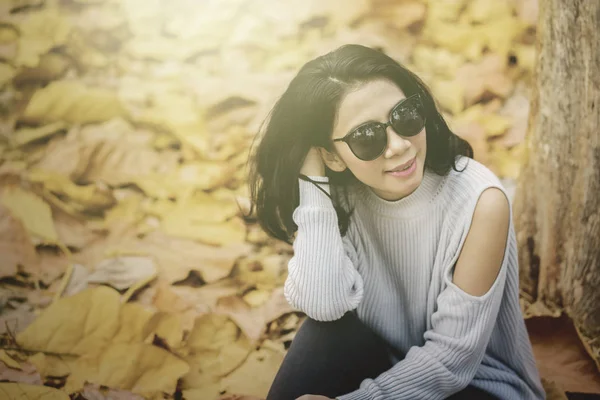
(245, 379)
(147, 370)
(24, 391)
(39, 33)
(90, 198)
(75, 325)
(24, 136)
(7, 73)
(253, 321)
(123, 272)
(16, 246)
(72, 230)
(52, 365)
(73, 102)
(487, 75)
(32, 211)
(9, 361)
(96, 392)
(216, 347)
(177, 257)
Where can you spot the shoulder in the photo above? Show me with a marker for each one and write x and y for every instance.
(464, 188)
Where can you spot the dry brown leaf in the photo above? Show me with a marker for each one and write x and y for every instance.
(97, 392)
(16, 246)
(73, 102)
(177, 257)
(181, 224)
(112, 152)
(487, 75)
(200, 175)
(560, 355)
(72, 230)
(245, 380)
(149, 370)
(32, 211)
(123, 272)
(16, 320)
(24, 391)
(75, 325)
(9, 361)
(517, 108)
(216, 347)
(203, 299)
(27, 135)
(264, 269)
(7, 73)
(51, 365)
(40, 32)
(90, 198)
(253, 321)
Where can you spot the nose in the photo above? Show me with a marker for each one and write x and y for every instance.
(396, 143)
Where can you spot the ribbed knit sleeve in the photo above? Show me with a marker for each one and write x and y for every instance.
(454, 346)
(323, 280)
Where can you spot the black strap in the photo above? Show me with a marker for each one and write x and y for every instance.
(306, 178)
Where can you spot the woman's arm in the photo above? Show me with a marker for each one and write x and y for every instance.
(466, 314)
(322, 281)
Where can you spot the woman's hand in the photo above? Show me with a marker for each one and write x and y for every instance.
(313, 397)
(313, 163)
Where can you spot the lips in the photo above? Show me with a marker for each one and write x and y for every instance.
(401, 166)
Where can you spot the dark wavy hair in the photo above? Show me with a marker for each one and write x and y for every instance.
(304, 116)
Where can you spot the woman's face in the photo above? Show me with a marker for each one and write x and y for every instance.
(372, 102)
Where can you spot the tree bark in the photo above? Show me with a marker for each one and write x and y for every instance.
(557, 200)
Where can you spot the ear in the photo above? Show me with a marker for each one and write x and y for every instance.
(333, 161)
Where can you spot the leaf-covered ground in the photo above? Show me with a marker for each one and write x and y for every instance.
(126, 270)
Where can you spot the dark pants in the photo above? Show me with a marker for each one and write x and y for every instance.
(332, 358)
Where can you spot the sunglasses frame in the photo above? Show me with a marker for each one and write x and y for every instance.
(387, 124)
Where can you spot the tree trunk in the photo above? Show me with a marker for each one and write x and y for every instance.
(557, 201)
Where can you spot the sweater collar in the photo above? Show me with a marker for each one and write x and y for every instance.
(418, 202)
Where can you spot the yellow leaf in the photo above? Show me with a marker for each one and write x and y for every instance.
(75, 325)
(139, 368)
(526, 55)
(445, 10)
(180, 223)
(256, 298)
(203, 175)
(133, 319)
(179, 115)
(495, 124)
(216, 347)
(123, 272)
(438, 61)
(40, 32)
(480, 11)
(91, 197)
(167, 326)
(6, 359)
(72, 102)
(28, 135)
(32, 211)
(6, 73)
(24, 391)
(449, 94)
(50, 365)
(245, 380)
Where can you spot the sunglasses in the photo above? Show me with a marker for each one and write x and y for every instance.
(369, 140)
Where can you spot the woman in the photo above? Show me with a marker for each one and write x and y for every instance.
(405, 265)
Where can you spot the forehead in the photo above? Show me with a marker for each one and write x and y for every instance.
(371, 101)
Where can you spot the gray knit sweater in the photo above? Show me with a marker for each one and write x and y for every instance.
(395, 267)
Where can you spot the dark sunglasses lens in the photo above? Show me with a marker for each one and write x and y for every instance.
(368, 141)
(408, 117)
